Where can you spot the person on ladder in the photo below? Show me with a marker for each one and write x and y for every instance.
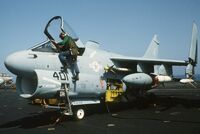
(68, 54)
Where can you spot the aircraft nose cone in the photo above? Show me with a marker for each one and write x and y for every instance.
(19, 63)
(10, 63)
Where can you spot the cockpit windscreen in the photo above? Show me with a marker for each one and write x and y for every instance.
(44, 47)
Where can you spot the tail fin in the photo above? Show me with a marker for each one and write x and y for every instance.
(194, 45)
(193, 52)
(152, 51)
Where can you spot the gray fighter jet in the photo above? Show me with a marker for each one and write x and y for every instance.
(104, 76)
(5, 80)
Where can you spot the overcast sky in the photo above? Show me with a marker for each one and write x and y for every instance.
(121, 26)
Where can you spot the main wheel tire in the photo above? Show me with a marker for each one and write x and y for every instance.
(79, 113)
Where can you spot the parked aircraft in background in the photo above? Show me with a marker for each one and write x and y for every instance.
(5, 80)
(104, 76)
(1, 81)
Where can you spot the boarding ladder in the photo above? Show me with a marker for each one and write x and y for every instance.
(64, 101)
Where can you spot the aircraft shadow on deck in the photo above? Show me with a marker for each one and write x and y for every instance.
(54, 118)
(44, 119)
(33, 121)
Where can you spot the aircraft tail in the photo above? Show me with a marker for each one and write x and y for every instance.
(152, 51)
(193, 52)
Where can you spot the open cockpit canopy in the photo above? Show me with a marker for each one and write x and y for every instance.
(54, 27)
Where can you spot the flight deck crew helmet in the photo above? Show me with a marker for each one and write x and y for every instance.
(62, 35)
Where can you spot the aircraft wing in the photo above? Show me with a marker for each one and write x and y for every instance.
(132, 62)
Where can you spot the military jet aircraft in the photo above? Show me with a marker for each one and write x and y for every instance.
(104, 76)
(1, 81)
(5, 80)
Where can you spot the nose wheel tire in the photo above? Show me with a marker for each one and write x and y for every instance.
(79, 113)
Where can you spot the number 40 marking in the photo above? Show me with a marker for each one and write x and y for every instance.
(60, 76)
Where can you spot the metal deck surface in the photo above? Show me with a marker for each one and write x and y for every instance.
(159, 116)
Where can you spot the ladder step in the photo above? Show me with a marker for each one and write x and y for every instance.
(68, 101)
(54, 107)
